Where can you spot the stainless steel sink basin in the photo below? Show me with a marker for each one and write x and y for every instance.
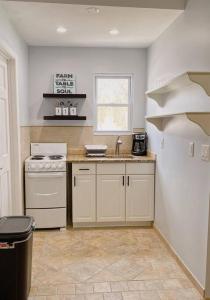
(121, 156)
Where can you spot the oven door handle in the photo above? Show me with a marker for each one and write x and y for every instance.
(46, 175)
(46, 195)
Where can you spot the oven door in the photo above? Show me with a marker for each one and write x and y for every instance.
(45, 190)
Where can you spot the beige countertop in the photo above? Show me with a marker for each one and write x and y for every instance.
(111, 158)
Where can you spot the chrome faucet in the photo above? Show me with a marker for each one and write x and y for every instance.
(117, 147)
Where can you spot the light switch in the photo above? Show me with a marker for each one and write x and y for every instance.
(162, 143)
(191, 149)
(205, 152)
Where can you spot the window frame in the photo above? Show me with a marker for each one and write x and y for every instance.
(129, 105)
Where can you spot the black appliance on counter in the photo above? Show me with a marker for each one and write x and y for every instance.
(140, 141)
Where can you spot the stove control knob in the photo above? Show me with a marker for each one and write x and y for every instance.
(61, 165)
(47, 166)
(32, 166)
(54, 166)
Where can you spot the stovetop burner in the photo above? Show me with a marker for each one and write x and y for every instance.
(55, 157)
(38, 157)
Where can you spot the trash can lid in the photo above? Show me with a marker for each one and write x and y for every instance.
(15, 228)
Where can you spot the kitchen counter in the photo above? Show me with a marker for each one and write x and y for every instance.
(111, 158)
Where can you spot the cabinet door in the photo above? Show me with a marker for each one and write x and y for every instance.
(84, 198)
(140, 198)
(110, 198)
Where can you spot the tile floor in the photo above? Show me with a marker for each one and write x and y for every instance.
(106, 264)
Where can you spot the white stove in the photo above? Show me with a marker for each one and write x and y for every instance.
(45, 184)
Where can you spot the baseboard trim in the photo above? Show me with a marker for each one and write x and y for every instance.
(112, 224)
(187, 272)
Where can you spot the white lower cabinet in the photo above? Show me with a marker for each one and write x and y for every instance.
(108, 193)
(84, 198)
(110, 198)
(140, 198)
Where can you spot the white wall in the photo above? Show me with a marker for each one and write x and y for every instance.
(84, 63)
(9, 38)
(182, 189)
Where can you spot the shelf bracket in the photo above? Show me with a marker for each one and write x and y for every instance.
(201, 119)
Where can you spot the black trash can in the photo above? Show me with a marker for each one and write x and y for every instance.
(16, 239)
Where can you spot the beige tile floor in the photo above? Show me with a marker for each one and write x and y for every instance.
(106, 264)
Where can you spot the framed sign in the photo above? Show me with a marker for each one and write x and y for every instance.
(64, 83)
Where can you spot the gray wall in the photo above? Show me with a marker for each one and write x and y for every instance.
(84, 63)
(182, 189)
(10, 38)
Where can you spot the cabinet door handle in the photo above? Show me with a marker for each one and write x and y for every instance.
(84, 169)
(74, 180)
(123, 180)
(128, 180)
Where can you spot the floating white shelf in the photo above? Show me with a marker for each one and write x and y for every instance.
(202, 119)
(186, 79)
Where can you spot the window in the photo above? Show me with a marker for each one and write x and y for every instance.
(113, 103)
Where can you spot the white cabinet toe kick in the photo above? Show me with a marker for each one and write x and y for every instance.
(113, 194)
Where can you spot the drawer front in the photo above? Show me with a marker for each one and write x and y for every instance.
(140, 168)
(48, 218)
(44, 190)
(111, 168)
(83, 168)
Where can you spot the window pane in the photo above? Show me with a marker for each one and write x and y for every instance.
(112, 118)
(113, 90)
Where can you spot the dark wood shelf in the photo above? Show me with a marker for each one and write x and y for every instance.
(64, 117)
(65, 96)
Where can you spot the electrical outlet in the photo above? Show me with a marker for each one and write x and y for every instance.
(191, 149)
(205, 152)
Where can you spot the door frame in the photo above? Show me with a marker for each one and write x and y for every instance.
(14, 130)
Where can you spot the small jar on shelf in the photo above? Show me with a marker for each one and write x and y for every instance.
(65, 111)
(58, 109)
(73, 110)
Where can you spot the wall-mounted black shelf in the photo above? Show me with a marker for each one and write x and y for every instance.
(83, 118)
(65, 96)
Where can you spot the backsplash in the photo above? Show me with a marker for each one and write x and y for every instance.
(25, 139)
(77, 137)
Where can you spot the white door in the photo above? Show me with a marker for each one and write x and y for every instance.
(140, 198)
(5, 184)
(110, 198)
(84, 198)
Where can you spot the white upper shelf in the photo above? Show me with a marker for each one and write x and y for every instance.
(183, 80)
(202, 119)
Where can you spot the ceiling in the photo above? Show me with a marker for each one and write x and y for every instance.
(138, 27)
(163, 4)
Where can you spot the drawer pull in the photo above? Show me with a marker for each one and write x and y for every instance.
(74, 180)
(128, 180)
(123, 180)
(84, 169)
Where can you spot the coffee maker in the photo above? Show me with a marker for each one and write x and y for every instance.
(139, 147)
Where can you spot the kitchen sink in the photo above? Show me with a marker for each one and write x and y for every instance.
(121, 156)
